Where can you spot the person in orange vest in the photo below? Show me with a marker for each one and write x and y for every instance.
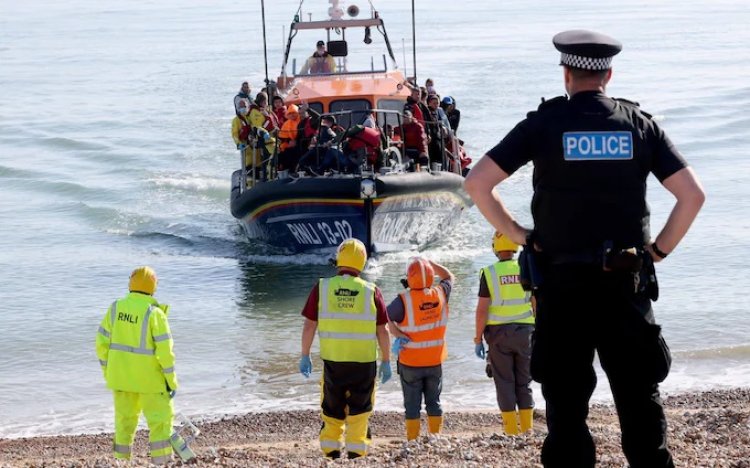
(418, 318)
(505, 316)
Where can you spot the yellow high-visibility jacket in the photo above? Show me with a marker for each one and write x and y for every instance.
(134, 346)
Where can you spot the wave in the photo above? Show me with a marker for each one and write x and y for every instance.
(62, 143)
(725, 352)
(214, 187)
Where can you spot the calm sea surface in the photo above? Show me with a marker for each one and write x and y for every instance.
(115, 151)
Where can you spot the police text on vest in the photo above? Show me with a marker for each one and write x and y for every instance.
(597, 146)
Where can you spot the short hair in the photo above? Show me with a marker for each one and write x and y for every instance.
(261, 97)
(582, 74)
(422, 92)
(277, 97)
(432, 97)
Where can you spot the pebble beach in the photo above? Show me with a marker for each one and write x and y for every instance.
(708, 429)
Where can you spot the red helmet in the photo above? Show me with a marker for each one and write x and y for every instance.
(419, 273)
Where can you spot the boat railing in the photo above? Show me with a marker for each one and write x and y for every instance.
(341, 69)
(450, 158)
(267, 166)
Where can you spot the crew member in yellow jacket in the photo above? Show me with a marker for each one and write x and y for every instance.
(134, 346)
(505, 316)
(349, 314)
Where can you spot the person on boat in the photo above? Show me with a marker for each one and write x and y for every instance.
(505, 318)
(363, 144)
(371, 120)
(324, 155)
(245, 136)
(134, 347)
(415, 141)
(418, 319)
(438, 128)
(350, 317)
(412, 103)
(289, 151)
(592, 247)
(448, 104)
(279, 110)
(307, 128)
(264, 121)
(320, 61)
(244, 93)
(430, 87)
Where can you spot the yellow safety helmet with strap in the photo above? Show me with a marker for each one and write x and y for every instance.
(502, 243)
(143, 280)
(351, 254)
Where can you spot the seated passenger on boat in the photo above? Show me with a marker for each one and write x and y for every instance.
(324, 155)
(289, 150)
(308, 126)
(371, 120)
(415, 141)
(319, 62)
(412, 103)
(363, 144)
(279, 109)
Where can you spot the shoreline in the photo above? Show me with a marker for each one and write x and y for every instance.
(710, 428)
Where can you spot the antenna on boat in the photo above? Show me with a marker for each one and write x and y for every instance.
(414, 41)
(265, 49)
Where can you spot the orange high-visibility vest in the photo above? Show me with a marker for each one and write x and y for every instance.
(425, 319)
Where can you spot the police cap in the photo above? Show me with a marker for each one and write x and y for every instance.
(586, 50)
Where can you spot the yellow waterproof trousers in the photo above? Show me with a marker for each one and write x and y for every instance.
(158, 410)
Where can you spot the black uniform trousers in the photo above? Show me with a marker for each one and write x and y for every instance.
(582, 309)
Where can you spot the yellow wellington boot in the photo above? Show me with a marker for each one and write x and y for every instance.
(510, 422)
(412, 429)
(435, 424)
(527, 419)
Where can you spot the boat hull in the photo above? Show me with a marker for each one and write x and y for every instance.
(407, 211)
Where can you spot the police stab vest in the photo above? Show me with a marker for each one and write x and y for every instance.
(425, 321)
(591, 161)
(509, 302)
(347, 319)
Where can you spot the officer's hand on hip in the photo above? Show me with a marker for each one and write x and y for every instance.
(305, 366)
(385, 371)
(480, 351)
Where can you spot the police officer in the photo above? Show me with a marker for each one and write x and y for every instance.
(592, 155)
(350, 316)
(134, 346)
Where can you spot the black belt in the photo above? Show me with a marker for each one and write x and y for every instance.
(585, 257)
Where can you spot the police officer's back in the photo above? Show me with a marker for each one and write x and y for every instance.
(592, 155)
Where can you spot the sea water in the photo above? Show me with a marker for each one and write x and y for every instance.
(115, 151)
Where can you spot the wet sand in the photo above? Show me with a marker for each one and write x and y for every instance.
(709, 429)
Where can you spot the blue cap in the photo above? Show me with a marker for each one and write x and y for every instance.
(448, 101)
(586, 50)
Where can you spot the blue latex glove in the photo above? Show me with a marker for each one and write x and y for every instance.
(305, 366)
(385, 372)
(241, 146)
(398, 345)
(172, 393)
(480, 351)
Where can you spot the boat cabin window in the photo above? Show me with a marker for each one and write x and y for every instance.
(393, 105)
(358, 108)
(316, 106)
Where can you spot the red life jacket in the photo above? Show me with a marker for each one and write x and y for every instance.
(245, 130)
(369, 139)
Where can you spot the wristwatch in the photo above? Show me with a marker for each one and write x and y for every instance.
(658, 251)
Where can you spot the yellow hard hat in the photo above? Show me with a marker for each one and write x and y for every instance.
(351, 253)
(501, 242)
(143, 280)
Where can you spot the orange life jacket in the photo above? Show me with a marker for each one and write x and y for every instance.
(425, 320)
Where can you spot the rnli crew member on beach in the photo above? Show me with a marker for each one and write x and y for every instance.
(134, 346)
(350, 316)
(418, 319)
(505, 317)
(319, 62)
(594, 253)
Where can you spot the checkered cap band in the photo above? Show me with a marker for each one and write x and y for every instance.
(586, 63)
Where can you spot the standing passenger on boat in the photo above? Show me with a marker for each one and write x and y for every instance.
(350, 316)
(415, 141)
(290, 152)
(264, 120)
(244, 93)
